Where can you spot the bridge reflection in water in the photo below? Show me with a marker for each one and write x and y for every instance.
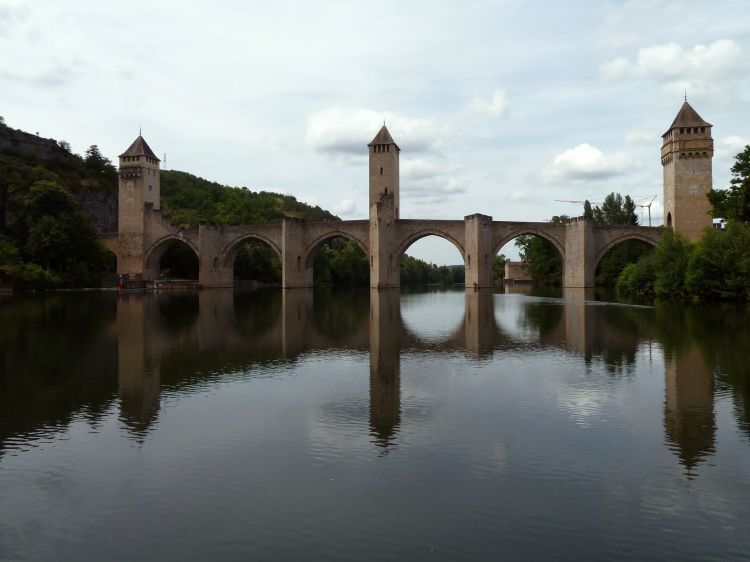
(175, 341)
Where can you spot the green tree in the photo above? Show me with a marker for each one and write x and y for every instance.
(58, 236)
(614, 210)
(498, 269)
(257, 261)
(719, 266)
(614, 261)
(670, 262)
(9, 254)
(637, 278)
(588, 211)
(734, 203)
(542, 259)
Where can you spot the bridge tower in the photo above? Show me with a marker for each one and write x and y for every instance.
(384, 209)
(686, 154)
(138, 186)
(384, 175)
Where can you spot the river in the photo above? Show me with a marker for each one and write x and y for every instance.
(433, 425)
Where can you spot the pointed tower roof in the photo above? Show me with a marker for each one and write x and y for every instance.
(383, 137)
(140, 148)
(688, 117)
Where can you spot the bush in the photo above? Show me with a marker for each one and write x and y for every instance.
(32, 276)
(638, 278)
(670, 261)
(719, 266)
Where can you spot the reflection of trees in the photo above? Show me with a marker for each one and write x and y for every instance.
(609, 333)
(256, 312)
(57, 359)
(339, 313)
(616, 333)
(545, 318)
(175, 311)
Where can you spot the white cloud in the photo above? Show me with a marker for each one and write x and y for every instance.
(343, 130)
(345, 208)
(420, 168)
(670, 62)
(497, 106)
(588, 162)
(519, 196)
(731, 145)
(642, 137)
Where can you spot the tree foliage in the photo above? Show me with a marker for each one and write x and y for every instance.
(53, 234)
(614, 261)
(614, 210)
(715, 267)
(719, 265)
(188, 201)
(670, 262)
(498, 269)
(341, 263)
(734, 203)
(542, 259)
(416, 272)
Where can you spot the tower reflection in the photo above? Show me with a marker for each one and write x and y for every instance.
(138, 380)
(385, 365)
(689, 419)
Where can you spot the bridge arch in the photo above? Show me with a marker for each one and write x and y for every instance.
(156, 251)
(232, 248)
(650, 240)
(311, 251)
(409, 239)
(559, 246)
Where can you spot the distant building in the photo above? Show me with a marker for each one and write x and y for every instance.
(517, 272)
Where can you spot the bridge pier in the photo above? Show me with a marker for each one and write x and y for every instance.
(212, 271)
(478, 249)
(295, 273)
(579, 259)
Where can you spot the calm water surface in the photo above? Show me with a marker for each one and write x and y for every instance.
(384, 426)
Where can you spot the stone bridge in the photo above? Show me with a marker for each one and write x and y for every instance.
(145, 235)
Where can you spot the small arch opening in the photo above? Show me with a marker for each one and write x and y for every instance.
(432, 261)
(179, 262)
(528, 264)
(669, 220)
(339, 262)
(617, 258)
(256, 264)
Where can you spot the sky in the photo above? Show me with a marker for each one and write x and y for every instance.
(500, 108)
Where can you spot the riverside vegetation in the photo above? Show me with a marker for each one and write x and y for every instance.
(717, 266)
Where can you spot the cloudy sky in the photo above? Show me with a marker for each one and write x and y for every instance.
(499, 107)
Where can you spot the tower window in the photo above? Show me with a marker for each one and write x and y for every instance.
(388, 148)
(381, 170)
